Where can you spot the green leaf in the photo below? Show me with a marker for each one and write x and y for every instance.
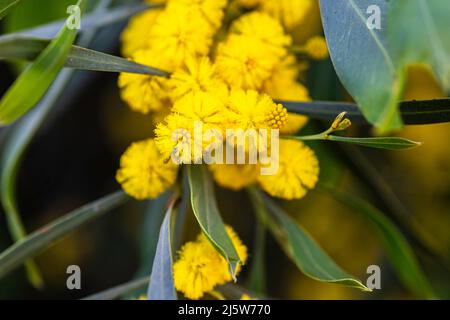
(387, 143)
(6, 6)
(304, 251)
(362, 61)
(161, 286)
(29, 48)
(89, 21)
(32, 84)
(120, 290)
(418, 33)
(205, 209)
(257, 277)
(46, 236)
(395, 244)
(412, 112)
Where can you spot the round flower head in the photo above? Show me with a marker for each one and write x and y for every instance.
(198, 75)
(143, 172)
(179, 33)
(297, 173)
(235, 176)
(290, 12)
(135, 36)
(175, 140)
(282, 85)
(244, 62)
(196, 271)
(251, 110)
(204, 107)
(144, 93)
(210, 10)
(200, 267)
(316, 48)
(264, 28)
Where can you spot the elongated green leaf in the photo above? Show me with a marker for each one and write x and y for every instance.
(306, 253)
(120, 290)
(46, 236)
(412, 112)
(205, 209)
(6, 5)
(361, 59)
(91, 20)
(27, 48)
(418, 33)
(387, 143)
(32, 84)
(398, 249)
(161, 285)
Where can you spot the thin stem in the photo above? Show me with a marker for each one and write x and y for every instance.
(217, 295)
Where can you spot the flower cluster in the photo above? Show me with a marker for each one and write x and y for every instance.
(228, 62)
(200, 267)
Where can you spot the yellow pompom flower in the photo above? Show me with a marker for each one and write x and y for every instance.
(181, 136)
(179, 33)
(144, 93)
(264, 28)
(289, 12)
(204, 107)
(316, 48)
(235, 176)
(175, 139)
(211, 11)
(198, 75)
(199, 267)
(197, 270)
(244, 62)
(135, 36)
(298, 172)
(143, 173)
(282, 85)
(251, 110)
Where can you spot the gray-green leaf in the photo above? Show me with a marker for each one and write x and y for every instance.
(32, 84)
(308, 255)
(161, 285)
(361, 59)
(205, 210)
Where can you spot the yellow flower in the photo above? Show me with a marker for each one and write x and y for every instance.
(175, 139)
(246, 297)
(235, 176)
(144, 93)
(210, 10)
(244, 62)
(290, 12)
(282, 85)
(264, 28)
(197, 269)
(179, 33)
(181, 136)
(298, 172)
(200, 267)
(135, 36)
(251, 110)
(198, 75)
(143, 173)
(205, 107)
(316, 48)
